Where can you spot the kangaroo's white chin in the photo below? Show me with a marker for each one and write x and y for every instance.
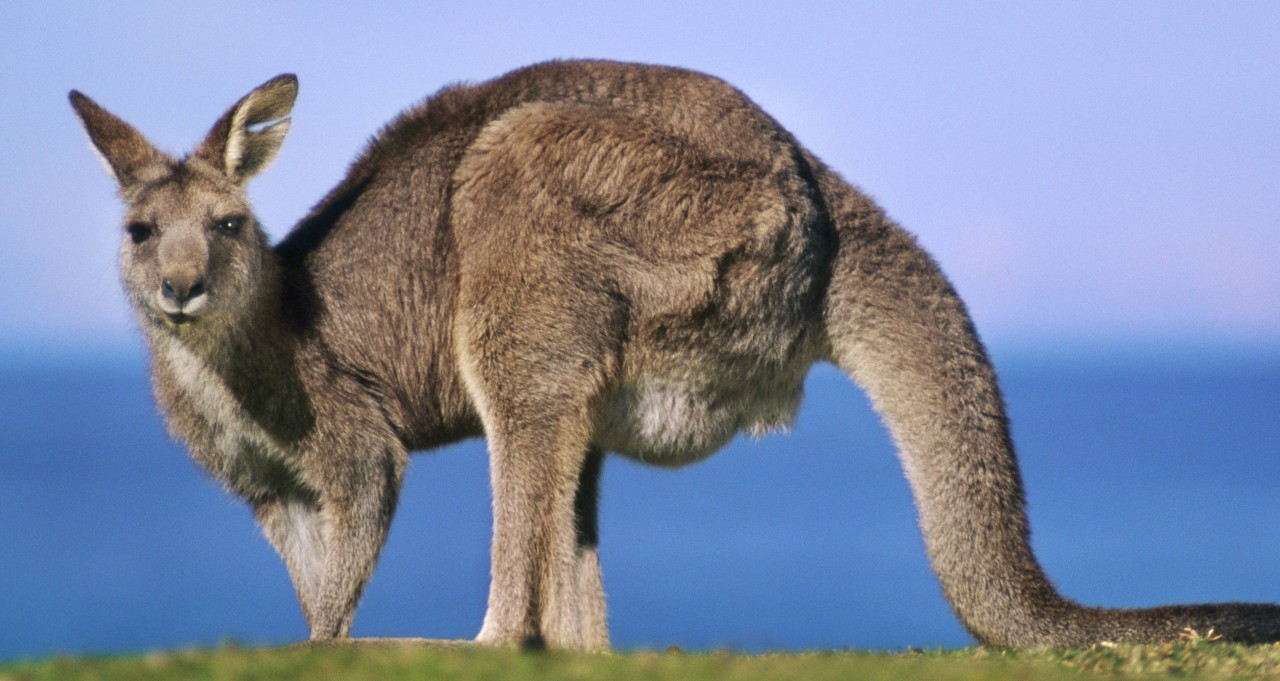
(184, 312)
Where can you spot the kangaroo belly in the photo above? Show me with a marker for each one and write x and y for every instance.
(672, 419)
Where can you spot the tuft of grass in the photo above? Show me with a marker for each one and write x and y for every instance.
(1194, 657)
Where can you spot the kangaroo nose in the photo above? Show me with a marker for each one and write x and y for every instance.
(180, 291)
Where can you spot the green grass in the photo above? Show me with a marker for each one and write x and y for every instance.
(1194, 659)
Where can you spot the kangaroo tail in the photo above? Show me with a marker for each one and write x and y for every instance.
(896, 326)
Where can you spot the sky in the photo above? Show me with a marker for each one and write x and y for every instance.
(1086, 173)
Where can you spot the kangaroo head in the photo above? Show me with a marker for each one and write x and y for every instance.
(192, 254)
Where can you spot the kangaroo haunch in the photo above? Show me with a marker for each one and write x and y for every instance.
(574, 259)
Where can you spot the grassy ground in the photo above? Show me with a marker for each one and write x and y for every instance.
(1193, 659)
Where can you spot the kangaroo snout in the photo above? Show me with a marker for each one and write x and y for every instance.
(182, 297)
(182, 266)
(180, 290)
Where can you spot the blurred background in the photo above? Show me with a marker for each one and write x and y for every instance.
(1101, 181)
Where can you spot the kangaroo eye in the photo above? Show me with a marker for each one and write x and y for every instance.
(139, 231)
(229, 226)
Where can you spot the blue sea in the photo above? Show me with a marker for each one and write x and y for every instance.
(1151, 479)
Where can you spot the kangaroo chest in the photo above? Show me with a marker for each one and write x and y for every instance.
(204, 412)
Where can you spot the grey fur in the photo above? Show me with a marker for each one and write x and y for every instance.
(575, 258)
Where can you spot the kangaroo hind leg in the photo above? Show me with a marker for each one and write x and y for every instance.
(592, 609)
(538, 543)
(537, 373)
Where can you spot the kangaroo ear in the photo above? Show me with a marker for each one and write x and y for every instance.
(245, 140)
(122, 149)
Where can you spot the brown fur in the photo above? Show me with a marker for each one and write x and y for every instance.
(575, 258)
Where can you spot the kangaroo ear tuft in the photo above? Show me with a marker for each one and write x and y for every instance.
(123, 150)
(245, 140)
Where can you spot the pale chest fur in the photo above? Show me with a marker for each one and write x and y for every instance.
(203, 411)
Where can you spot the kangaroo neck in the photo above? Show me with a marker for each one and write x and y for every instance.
(254, 358)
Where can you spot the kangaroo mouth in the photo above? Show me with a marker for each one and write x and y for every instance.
(180, 317)
(178, 313)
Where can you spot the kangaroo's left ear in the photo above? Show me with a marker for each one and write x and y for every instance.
(245, 140)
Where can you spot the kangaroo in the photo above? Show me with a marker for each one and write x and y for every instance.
(574, 259)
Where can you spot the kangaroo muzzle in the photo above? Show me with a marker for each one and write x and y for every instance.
(182, 297)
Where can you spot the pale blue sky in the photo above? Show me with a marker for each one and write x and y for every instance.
(1085, 172)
